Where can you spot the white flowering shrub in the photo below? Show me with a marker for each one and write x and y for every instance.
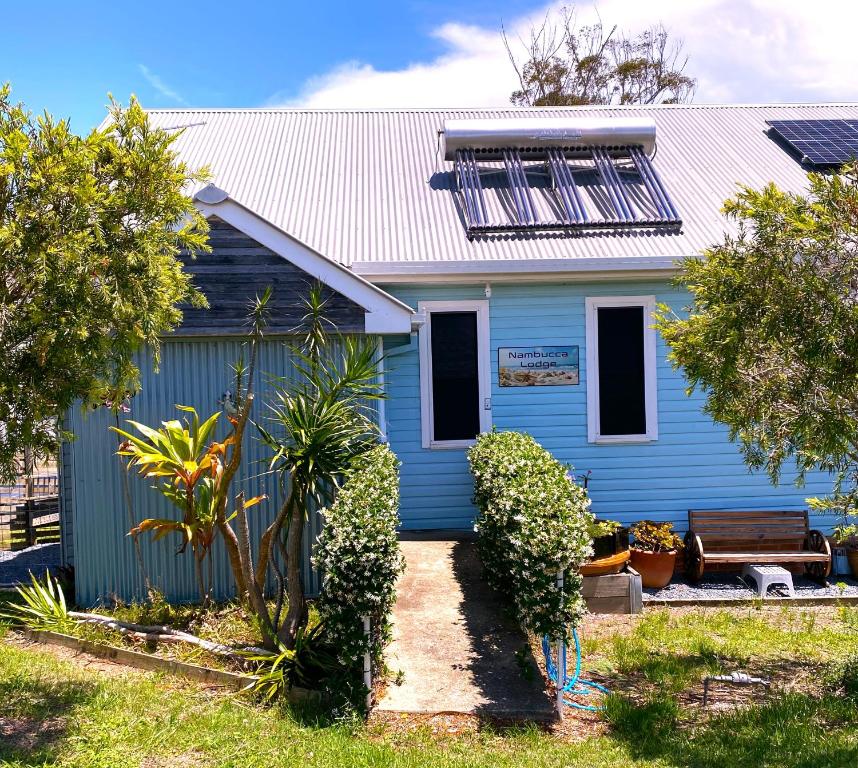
(358, 554)
(533, 521)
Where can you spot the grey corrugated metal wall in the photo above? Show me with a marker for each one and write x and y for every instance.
(192, 372)
(66, 491)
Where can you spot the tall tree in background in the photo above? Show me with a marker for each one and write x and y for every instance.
(564, 64)
(771, 336)
(90, 228)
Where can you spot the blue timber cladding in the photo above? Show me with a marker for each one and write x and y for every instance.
(192, 372)
(692, 464)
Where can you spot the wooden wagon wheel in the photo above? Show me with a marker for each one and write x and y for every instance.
(693, 557)
(816, 542)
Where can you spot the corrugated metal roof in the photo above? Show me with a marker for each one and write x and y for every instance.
(369, 189)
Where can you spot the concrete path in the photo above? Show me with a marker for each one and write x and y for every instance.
(455, 648)
(15, 567)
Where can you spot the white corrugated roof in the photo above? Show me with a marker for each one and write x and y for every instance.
(369, 189)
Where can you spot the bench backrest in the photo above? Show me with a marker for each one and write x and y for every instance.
(764, 530)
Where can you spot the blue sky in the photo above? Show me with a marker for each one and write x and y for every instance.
(65, 57)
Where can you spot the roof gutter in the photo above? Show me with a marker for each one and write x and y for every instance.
(531, 270)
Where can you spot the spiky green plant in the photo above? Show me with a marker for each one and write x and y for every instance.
(319, 422)
(189, 471)
(44, 606)
(306, 665)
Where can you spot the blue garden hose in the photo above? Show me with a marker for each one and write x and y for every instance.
(574, 685)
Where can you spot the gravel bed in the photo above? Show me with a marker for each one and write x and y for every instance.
(15, 567)
(736, 587)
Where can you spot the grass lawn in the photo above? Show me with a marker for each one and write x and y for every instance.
(58, 712)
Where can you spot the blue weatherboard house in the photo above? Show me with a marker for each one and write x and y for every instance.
(508, 261)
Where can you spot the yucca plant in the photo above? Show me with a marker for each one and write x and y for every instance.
(319, 422)
(189, 470)
(44, 606)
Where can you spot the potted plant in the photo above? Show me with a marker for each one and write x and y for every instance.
(653, 553)
(846, 536)
(610, 548)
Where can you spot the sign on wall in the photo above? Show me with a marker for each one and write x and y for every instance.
(537, 366)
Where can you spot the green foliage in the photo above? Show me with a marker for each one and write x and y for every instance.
(358, 553)
(566, 64)
(189, 471)
(320, 419)
(533, 521)
(307, 665)
(655, 537)
(599, 528)
(90, 228)
(842, 676)
(846, 535)
(771, 337)
(42, 606)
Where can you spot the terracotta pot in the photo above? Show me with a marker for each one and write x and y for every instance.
(655, 568)
(852, 557)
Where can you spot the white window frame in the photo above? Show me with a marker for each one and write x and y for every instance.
(427, 416)
(593, 304)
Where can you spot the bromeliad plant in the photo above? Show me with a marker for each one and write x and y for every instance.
(196, 475)
(655, 537)
(189, 471)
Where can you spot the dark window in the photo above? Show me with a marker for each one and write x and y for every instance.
(622, 386)
(455, 379)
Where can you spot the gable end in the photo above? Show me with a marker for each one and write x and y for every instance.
(238, 269)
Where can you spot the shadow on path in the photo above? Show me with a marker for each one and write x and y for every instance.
(502, 667)
(455, 647)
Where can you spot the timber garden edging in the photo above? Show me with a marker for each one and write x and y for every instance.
(147, 661)
(139, 660)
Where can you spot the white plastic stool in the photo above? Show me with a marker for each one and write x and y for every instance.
(766, 575)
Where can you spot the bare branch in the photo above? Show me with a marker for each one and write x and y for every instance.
(566, 64)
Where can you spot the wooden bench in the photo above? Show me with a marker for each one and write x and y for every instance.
(770, 537)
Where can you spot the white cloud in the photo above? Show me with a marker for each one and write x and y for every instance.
(739, 50)
(160, 86)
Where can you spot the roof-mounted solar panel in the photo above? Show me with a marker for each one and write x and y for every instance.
(822, 143)
(527, 174)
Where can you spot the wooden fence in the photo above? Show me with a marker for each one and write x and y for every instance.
(30, 513)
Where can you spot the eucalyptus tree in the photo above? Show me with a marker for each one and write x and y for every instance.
(564, 63)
